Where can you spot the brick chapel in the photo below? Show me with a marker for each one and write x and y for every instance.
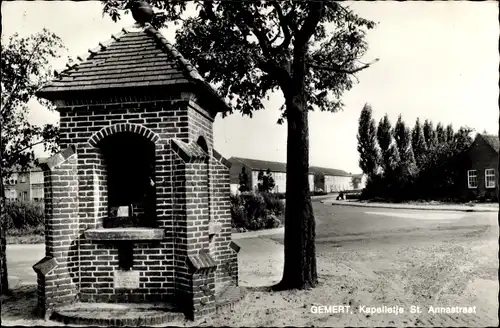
(137, 203)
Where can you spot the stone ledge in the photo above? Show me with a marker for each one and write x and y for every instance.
(189, 152)
(45, 265)
(229, 299)
(103, 314)
(235, 247)
(202, 262)
(125, 234)
(57, 159)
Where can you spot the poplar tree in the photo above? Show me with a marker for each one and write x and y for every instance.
(418, 144)
(402, 137)
(369, 155)
(441, 134)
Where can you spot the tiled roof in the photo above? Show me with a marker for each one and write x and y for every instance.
(328, 171)
(135, 57)
(256, 164)
(492, 140)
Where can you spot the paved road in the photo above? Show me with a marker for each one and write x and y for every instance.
(345, 225)
(20, 260)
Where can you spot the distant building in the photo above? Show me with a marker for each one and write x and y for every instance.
(253, 167)
(320, 178)
(481, 176)
(331, 180)
(25, 186)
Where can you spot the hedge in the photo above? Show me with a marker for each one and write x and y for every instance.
(256, 211)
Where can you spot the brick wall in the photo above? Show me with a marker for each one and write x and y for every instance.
(99, 260)
(56, 274)
(481, 157)
(189, 191)
(225, 256)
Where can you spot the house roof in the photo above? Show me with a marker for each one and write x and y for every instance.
(256, 164)
(328, 171)
(137, 57)
(492, 140)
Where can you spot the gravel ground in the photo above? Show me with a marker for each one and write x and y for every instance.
(446, 274)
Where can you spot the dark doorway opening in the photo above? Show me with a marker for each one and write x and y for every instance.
(130, 160)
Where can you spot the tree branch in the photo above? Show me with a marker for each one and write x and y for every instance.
(22, 75)
(316, 11)
(339, 68)
(261, 37)
(209, 10)
(28, 147)
(285, 26)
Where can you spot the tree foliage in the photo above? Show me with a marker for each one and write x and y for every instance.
(356, 181)
(266, 181)
(450, 133)
(390, 154)
(418, 143)
(437, 173)
(369, 156)
(402, 137)
(429, 134)
(441, 135)
(244, 181)
(248, 49)
(25, 68)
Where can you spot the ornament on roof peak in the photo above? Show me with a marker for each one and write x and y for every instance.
(142, 11)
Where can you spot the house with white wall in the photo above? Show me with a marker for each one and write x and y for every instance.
(252, 168)
(331, 180)
(320, 178)
(25, 185)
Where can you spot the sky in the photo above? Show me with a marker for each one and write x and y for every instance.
(437, 61)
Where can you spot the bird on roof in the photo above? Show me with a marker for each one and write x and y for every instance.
(142, 11)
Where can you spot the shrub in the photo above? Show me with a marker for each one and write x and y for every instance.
(26, 217)
(255, 211)
(274, 204)
(280, 195)
(353, 196)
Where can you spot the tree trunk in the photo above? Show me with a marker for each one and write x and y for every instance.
(300, 229)
(4, 286)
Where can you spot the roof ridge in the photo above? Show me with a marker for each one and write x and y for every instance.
(185, 71)
(494, 144)
(184, 63)
(322, 169)
(94, 51)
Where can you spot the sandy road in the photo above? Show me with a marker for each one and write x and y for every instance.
(377, 258)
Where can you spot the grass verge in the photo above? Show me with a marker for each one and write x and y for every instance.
(27, 239)
(27, 235)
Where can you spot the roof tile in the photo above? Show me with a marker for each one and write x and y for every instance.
(492, 140)
(138, 57)
(256, 164)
